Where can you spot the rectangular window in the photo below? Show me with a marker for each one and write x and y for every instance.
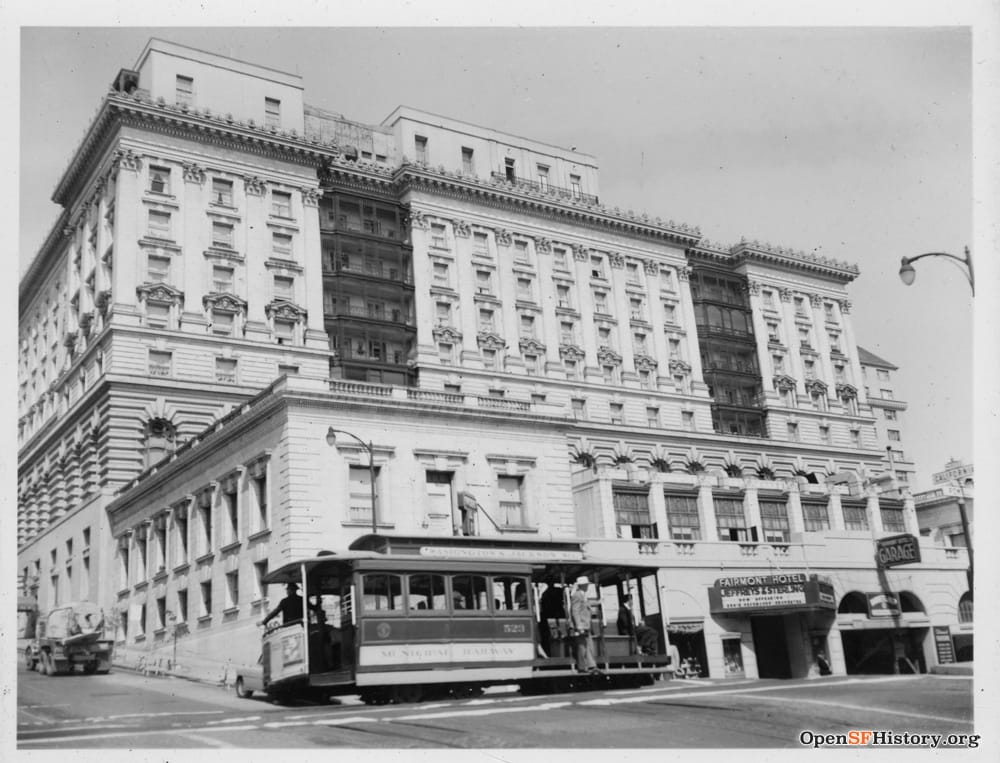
(182, 606)
(768, 298)
(520, 251)
(284, 332)
(793, 432)
(885, 394)
(815, 517)
(184, 89)
(682, 516)
(160, 363)
(632, 272)
(855, 517)
(360, 498)
(281, 204)
(284, 288)
(511, 509)
(824, 435)
(480, 244)
(161, 613)
(543, 177)
(484, 282)
(596, 267)
(637, 310)
(883, 375)
(225, 369)
(525, 290)
(206, 599)
(157, 315)
(439, 238)
(222, 235)
(828, 311)
(574, 185)
(222, 279)
(774, 518)
(159, 224)
(440, 274)
(804, 341)
(772, 333)
(222, 323)
(571, 369)
(893, 435)
(670, 312)
(420, 147)
(617, 411)
(567, 332)
(639, 344)
(610, 374)
(652, 416)
(445, 353)
(443, 311)
(486, 320)
(889, 415)
(632, 517)
(232, 590)
(180, 516)
(159, 180)
(601, 302)
(730, 518)
(272, 113)
(531, 364)
(489, 359)
(528, 326)
(892, 519)
(281, 245)
(467, 166)
(834, 342)
(579, 408)
(259, 586)
(509, 170)
(559, 260)
(222, 192)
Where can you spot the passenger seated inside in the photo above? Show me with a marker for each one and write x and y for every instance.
(629, 625)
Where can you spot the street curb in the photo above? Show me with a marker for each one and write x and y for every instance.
(954, 669)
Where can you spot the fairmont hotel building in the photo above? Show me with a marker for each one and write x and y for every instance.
(235, 271)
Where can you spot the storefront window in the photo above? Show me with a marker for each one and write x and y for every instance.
(732, 657)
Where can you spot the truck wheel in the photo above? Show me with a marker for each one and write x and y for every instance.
(90, 668)
(241, 690)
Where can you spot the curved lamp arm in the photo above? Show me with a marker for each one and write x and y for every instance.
(331, 439)
(907, 273)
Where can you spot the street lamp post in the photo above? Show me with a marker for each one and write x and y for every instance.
(965, 533)
(331, 439)
(907, 274)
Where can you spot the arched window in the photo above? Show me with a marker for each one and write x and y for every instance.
(908, 602)
(853, 603)
(160, 440)
(965, 608)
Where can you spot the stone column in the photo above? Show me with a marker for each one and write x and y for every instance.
(549, 334)
(259, 280)
(311, 257)
(623, 310)
(690, 328)
(581, 258)
(706, 510)
(194, 271)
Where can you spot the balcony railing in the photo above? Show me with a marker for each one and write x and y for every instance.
(554, 190)
(387, 315)
(396, 275)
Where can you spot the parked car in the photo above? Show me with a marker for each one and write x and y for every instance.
(250, 678)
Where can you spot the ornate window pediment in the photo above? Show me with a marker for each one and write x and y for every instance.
(571, 352)
(224, 301)
(846, 391)
(284, 310)
(608, 357)
(532, 345)
(645, 363)
(784, 382)
(815, 386)
(159, 292)
(490, 340)
(446, 334)
(679, 367)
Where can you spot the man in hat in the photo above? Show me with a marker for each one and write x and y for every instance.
(629, 625)
(579, 625)
(290, 607)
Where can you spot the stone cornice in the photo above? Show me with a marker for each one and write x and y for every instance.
(780, 256)
(139, 110)
(497, 193)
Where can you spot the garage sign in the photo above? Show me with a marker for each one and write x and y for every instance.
(896, 550)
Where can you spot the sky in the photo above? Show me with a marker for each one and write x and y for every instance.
(851, 142)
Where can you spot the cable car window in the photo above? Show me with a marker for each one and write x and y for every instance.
(382, 592)
(510, 593)
(469, 592)
(427, 592)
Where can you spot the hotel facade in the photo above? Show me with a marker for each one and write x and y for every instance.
(235, 271)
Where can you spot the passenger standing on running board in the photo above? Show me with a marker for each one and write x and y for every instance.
(579, 624)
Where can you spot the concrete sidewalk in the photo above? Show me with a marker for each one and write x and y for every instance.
(954, 669)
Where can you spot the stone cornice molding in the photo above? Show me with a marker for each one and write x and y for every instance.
(768, 254)
(494, 192)
(224, 301)
(446, 334)
(679, 367)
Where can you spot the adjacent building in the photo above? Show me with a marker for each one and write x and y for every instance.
(234, 272)
(889, 412)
